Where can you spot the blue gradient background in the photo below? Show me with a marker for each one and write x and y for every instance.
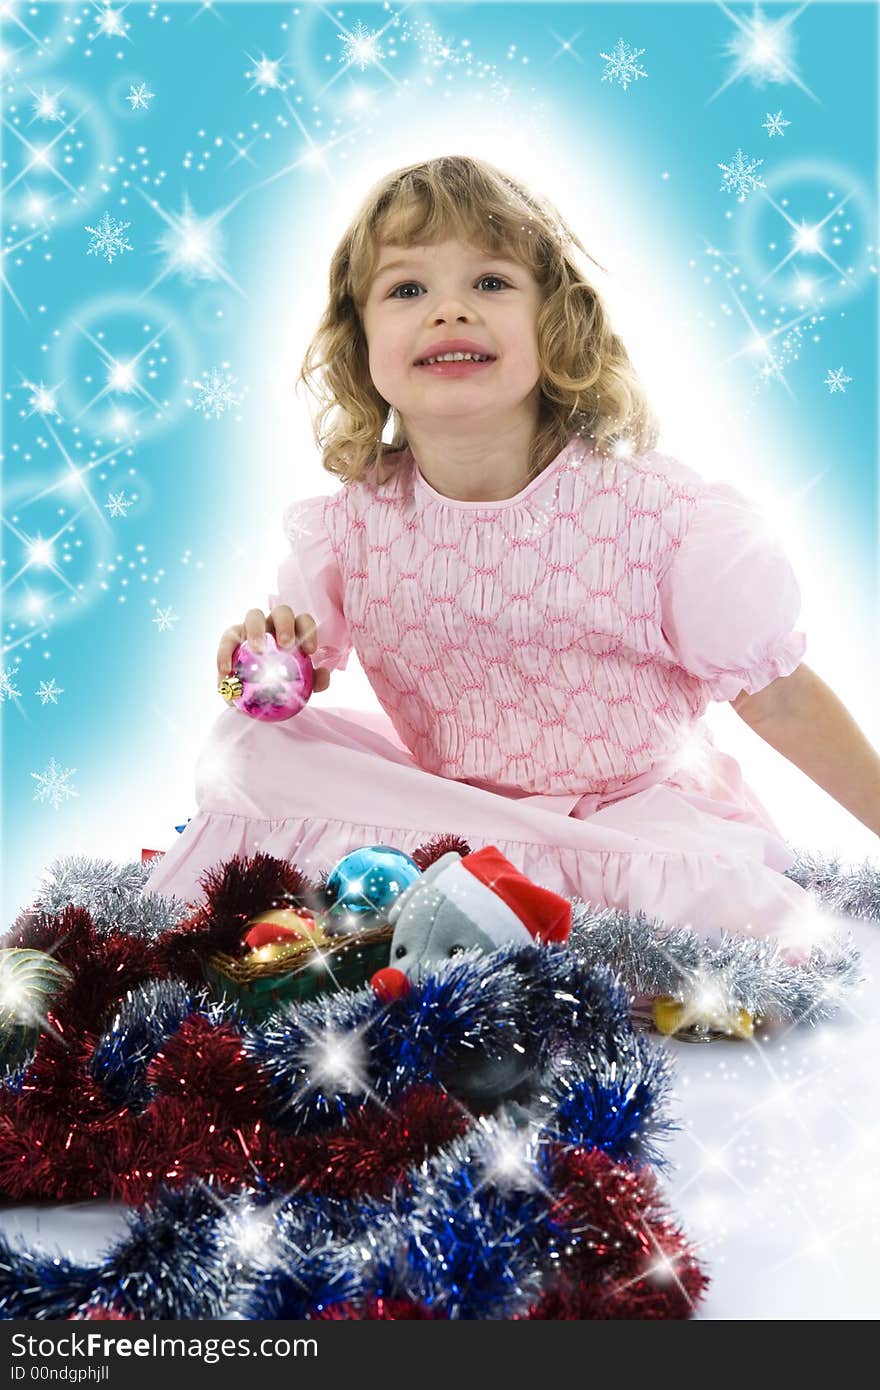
(635, 173)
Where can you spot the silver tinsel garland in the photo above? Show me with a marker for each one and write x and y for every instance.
(853, 890)
(650, 956)
(109, 892)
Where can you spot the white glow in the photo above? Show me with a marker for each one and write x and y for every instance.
(511, 1158)
(42, 399)
(13, 998)
(809, 927)
(74, 480)
(110, 22)
(807, 239)
(122, 376)
(661, 1269)
(41, 552)
(46, 106)
(251, 1231)
(338, 1062)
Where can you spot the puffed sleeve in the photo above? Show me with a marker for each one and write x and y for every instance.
(310, 582)
(729, 599)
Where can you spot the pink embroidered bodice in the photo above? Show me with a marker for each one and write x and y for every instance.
(564, 640)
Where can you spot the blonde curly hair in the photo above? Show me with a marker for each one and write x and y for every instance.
(588, 386)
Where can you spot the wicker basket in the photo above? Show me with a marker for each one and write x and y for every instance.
(262, 987)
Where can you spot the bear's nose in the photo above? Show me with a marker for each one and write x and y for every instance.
(389, 983)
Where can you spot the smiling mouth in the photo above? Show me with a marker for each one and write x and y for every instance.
(461, 368)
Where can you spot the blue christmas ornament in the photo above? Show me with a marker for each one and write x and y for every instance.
(364, 886)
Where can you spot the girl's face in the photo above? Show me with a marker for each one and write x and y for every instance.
(424, 295)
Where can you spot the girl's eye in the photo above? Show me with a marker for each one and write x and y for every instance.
(407, 284)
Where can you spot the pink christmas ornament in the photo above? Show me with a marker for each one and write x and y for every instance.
(272, 684)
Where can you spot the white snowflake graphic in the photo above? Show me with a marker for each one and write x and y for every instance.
(53, 784)
(216, 395)
(621, 65)
(117, 503)
(140, 96)
(740, 176)
(773, 124)
(361, 46)
(835, 381)
(8, 689)
(107, 239)
(48, 692)
(165, 619)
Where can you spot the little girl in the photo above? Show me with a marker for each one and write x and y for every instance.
(542, 602)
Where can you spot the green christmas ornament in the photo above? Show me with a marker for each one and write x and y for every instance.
(29, 981)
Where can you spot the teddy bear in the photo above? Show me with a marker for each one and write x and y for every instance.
(480, 902)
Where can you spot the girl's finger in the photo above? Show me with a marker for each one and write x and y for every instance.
(281, 624)
(255, 628)
(306, 633)
(231, 638)
(321, 678)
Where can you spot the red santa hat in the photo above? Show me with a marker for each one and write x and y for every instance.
(502, 902)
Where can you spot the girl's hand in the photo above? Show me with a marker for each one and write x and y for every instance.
(284, 627)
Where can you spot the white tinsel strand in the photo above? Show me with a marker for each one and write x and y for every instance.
(110, 892)
(650, 956)
(401, 1246)
(853, 890)
(751, 972)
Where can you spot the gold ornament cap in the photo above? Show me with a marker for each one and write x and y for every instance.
(230, 688)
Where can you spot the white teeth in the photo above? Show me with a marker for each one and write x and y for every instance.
(454, 357)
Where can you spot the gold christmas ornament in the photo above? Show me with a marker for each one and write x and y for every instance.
(282, 950)
(283, 924)
(673, 1016)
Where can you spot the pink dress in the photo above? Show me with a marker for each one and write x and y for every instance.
(542, 664)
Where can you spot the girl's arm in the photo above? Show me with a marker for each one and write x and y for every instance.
(803, 719)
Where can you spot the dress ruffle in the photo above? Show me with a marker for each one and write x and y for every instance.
(784, 659)
(695, 849)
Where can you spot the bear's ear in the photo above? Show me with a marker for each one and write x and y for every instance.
(439, 865)
(408, 893)
(400, 903)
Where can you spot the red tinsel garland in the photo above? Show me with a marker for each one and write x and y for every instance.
(127, 1158)
(63, 1138)
(631, 1260)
